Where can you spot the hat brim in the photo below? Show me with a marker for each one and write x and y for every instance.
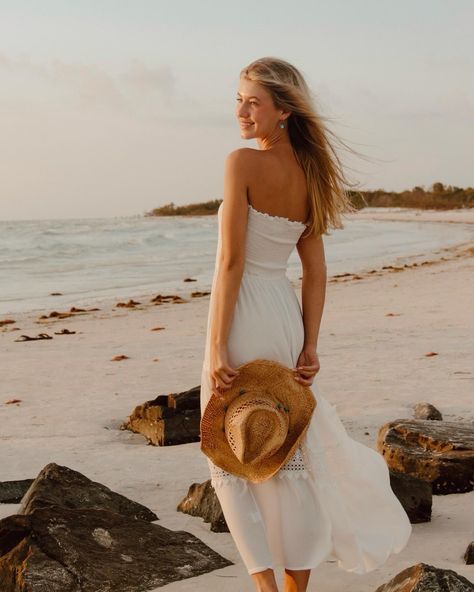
(260, 376)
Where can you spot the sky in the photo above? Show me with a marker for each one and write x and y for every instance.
(114, 107)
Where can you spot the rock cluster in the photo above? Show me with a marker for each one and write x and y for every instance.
(76, 535)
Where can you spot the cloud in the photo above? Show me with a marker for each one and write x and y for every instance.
(91, 85)
(147, 80)
(149, 93)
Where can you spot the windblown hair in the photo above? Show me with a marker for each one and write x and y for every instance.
(309, 138)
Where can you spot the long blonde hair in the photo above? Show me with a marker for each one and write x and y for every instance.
(309, 138)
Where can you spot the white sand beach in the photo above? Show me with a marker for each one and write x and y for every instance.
(375, 335)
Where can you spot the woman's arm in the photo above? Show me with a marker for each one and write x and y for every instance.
(313, 288)
(231, 264)
(313, 293)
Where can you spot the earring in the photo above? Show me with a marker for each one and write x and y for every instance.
(282, 125)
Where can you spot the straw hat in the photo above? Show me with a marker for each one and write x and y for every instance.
(258, 425)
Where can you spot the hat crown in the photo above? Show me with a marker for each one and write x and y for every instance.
(256, 426)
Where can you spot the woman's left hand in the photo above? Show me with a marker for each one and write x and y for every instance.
(307, 366)
(221, 373)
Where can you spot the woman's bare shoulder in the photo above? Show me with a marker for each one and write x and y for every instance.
(244, 153)
(244, 161)
(251, 157)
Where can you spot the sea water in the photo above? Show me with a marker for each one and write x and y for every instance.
(92, 259)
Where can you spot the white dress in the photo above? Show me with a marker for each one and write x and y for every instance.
(333, 499)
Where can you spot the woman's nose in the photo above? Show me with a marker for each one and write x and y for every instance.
(242, 110)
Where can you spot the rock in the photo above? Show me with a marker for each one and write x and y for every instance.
(57, 485)
(439, 452)
(426, 578)
(59, 549)
(427, 411)
(168, 419)
(76, 535)
(469, 554)
(12, 492)
(186, 400)
(414, 494)
(201, 500)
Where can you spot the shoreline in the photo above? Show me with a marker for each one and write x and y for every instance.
(108, 305)
(375, 337)
(400, 262)
(456, 216)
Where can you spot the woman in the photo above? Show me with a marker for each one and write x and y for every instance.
(333, 498)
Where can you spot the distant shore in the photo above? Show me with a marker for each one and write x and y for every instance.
(438, 197)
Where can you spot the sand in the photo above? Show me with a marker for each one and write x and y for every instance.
(374, 368)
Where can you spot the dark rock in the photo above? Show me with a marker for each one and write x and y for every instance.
(427, 411)
(414, 494)
(168, 419)
(62, 486)
(201, 500)
(60, 549)
(469, 554)
(185, 400)
(439, 452)
(12, 492)
(426, 578)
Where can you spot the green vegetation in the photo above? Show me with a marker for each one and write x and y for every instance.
(437, 197)
(197, 209)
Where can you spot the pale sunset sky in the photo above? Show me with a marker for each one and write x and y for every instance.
(113, 107)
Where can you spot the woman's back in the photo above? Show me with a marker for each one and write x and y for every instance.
(277, 183)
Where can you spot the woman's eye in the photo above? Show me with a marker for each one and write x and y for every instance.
(238, 99)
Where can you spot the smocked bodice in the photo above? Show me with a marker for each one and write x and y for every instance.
(270, 241)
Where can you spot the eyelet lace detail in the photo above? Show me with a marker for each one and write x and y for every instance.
(296, 462)
(293, 469)
(270, 216)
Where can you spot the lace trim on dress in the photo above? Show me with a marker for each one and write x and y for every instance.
(295, 468)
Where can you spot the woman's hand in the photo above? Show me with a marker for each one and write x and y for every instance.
(307, 366)
(221, 373)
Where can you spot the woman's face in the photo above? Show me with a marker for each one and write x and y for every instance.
(255, 111)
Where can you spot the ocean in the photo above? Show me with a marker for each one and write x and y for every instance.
(93, 259)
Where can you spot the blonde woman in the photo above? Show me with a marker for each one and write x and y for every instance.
(333, 499)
